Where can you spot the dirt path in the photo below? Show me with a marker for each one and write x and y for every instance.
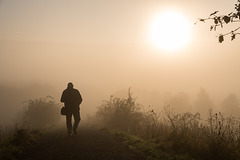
(89, 144)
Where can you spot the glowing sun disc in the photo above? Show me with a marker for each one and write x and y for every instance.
(170, 31)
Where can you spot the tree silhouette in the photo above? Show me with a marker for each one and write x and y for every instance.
(203, 102)
(230, 105)
(221, 20)
(179, 102)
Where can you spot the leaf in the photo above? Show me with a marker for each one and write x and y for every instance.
(226, 19)
(235, 15)
(213, 13)
(221, 38)
(221, 24)
(233, 36)
(215, 21)
(211, 28)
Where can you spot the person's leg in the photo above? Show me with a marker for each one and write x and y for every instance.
(77, 119)
(69, 122)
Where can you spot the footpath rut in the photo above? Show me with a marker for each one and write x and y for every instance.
(89, 144)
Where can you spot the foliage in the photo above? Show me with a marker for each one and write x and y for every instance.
(169, 135)
(230, 105)
(117, 112)
(203, 102)
(41, 112)
(179, 101)
(221, 20)
(14, 140)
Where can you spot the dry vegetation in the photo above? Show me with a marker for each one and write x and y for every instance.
(169, 135)
(39, 115)
(43, 112)
(166, 135)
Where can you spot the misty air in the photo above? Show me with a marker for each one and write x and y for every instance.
(119, 80)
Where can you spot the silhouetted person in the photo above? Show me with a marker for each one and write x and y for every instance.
(72, 99)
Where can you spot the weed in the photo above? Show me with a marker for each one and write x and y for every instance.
(14, 140)
(169, 135)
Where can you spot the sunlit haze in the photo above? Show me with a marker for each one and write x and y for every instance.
(105, 47)
(170, 31)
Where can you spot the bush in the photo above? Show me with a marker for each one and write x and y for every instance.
(117, 112)
(14, 140)
(178, 136)
(41, 112)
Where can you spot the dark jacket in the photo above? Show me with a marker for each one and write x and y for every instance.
(71, 98)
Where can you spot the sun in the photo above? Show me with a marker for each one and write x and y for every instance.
(170, 31)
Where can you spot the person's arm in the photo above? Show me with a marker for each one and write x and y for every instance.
(79, 98)
(63, 97)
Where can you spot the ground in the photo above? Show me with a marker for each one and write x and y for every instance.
(89, 144)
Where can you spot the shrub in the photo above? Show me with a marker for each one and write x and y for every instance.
(117, 112)
(13, 141)
(41, 112)
(181, 136)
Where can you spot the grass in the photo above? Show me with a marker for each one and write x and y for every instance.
(171, 136)
(39, 114)
(152, 149)
(13, 141)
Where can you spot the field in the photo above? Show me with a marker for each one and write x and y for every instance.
(169, 135)
(153, 136)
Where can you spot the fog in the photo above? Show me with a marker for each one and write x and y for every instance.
(32, 70)
(104, 52)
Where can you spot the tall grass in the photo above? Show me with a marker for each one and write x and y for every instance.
(13, 140)
(181, 136)
(39, 114)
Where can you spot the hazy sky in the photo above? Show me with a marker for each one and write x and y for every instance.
(102, 46)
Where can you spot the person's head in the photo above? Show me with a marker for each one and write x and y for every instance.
(70, 85)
